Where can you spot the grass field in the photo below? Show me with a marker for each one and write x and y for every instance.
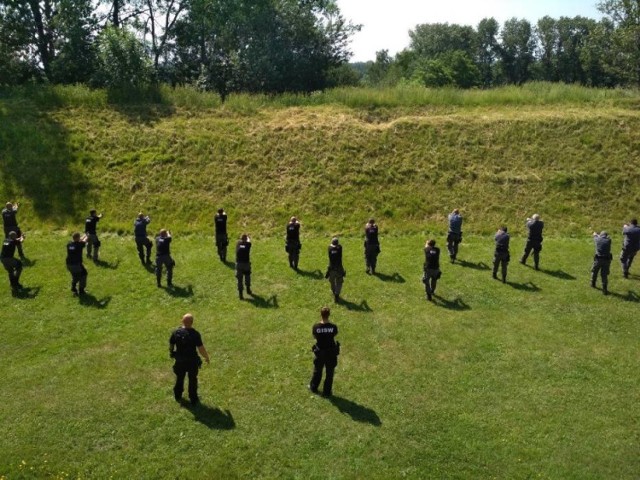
(537, 378)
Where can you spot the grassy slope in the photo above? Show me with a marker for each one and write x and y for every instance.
(535, 378)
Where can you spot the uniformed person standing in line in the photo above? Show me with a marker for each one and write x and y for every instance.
(534, 240)
(454, 235)
(335, 270)
(12, 265)
(184, 345)
(10, 224)
(326, 351)
(431, 268)
(93, 243)
(222, 239)
(601, 260)
(74, 263)
(163, 257)
(630, 245)
(371, 246)
(243, 264)
(292, 242)
(142, 240)
(501, 255)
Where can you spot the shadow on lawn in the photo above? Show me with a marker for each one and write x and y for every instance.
(629, 297)
(211, 417)
(314, 275)
(557, 274)
(27, 262)
(455, 304)
(363, 306)
(89, 300)
(357, 412)
(261, 302)
(473, 266)
(395, 278)
(180, 292)
(108, 265)
(27, 293)
(526, 287)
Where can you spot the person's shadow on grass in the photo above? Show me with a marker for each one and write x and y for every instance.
(228, 264)
(629, 297)
(211, 417)
(363, 306)
(312, 274)
(262, 302)
(27, 293)
(180, 292)
(103, 264)
(88, 300)
(26, 262)
(473, 266)
(526, 287)
(455, 304)
(357, 412)
(556, 274)
(395, 278)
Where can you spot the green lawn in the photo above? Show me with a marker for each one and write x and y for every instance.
(537, 378)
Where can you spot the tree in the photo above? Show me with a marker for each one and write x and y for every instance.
(625, 16)
(516, 51)
(434, 39)
(547, 35)
(488, 48)
(122, 60)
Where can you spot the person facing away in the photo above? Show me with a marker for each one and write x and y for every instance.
(335, 270)
(222, 239)
(630, 245)
(78, 273)
(243, 265)
(10, 223)
(184, 344)
(12, 265)
(371, 246)
(143, 244)
(326, 351)
(90, 230)
(292, 243)
(534, 240)
(163, 257)
(454, 234)
(601, 260)
(501, 255)
(431, 268)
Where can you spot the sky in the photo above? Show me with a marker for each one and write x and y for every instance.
(386, 23)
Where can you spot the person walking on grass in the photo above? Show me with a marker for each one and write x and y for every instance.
(143, 244)
(630, 245)
(326, 351)
(601, 260)
(431, 272)
(90, 231)
(12, 265)
(454, 235)
(78, 273)
(501, 255)
(163, 257)
(371, 246)
(10, 224)
(243, 265)
(335, 270)
(184, 344)
(534, 240)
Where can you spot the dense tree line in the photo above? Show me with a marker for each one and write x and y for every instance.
(245, 45)
(602, 53)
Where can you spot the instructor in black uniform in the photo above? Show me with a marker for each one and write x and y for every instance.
(243, 264)
(184, 345)
(292, 243)
(163, 257)
(222, 239)
(335, 270)
(326, 351)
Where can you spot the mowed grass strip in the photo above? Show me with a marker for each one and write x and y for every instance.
(534, 378)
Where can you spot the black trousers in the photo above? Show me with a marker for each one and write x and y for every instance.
(293, 250)
(143, 243)
(78, 276)
(324, 360)
(536, 246)
(13, 266)
(501, 260)
(183, 368)
(371, 252)
(601, 266)
(222, 241)
(453, 240)
(626, 259)
(167, 261)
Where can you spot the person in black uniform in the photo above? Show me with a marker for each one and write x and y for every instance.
(184, 344)
(431, 268)
(326, 351)
(371, 246)
(222, 240)
(335, 270)
(292, 243)
(10, 224)
(501, 255)
(163, 257)
(601, 260)
(142, 240)
(534, 240)
(243, 264)
(74, 263)
(454, 235)
(93, 243)
(630, 245)
(12, 265)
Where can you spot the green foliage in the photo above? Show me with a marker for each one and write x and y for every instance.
(122, 61)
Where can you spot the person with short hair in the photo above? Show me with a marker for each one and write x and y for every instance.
(243, 265)
(142, 240)
(335, 270)
(90, 230)
(454, 235)
(371, 246)
(431, 268)
(534, 240)
(326, 351)
(12, 265)
(601, 260)
(501, 255)
(78, 273)
(184, 344)
(222, 239)
(163, 257)
(10, 223)
(292, 243)
(630, 245)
